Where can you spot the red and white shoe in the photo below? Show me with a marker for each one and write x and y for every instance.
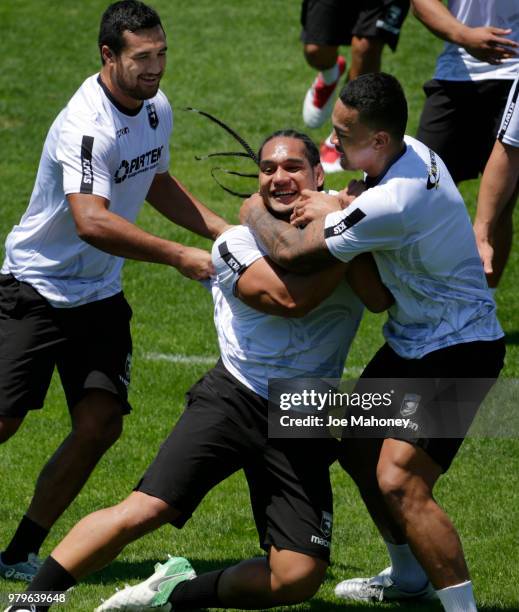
(330, 158)
(318, 103)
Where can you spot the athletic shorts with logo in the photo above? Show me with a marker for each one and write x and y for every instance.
(335, 22)
(460, 122)
(224, 429)
(453, 383)
(90, 345)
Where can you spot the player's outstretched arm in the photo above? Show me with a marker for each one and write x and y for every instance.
(500, 180)
(297, 250)
(489, 44)
(268, 288)
(172, 199)
(109, 232)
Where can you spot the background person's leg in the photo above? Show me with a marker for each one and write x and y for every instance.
(406, 476)
(8, 427)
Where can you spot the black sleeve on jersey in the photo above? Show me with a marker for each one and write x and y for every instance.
(509, 112)
(237, 267)
(87, 175)
(344, 224)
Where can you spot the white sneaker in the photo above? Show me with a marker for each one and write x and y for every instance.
(153, 593)
(24, 570)
(318, 103)
(330, 158)
(380, 588)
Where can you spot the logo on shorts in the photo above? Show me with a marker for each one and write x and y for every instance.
(326, 524)
(127, 371)
(410, 404)
(321, 541)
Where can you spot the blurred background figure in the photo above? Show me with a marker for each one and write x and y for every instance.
(493, 225)
(366, 26)
(466, 99)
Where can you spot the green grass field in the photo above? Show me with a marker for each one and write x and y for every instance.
(243, 62)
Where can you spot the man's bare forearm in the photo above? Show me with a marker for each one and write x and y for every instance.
(498, 185)
(174, 201)
(487, 43)
(297, 250)
(437, 18)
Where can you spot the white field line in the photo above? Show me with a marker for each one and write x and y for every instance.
(352, 371)
(175, 358)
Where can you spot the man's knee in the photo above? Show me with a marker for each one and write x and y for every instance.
(8, 427)
(406, 476)
(98, 419)
(320, 57)
(366, 54)
(402, 490)
(296, 577)
(140, 513)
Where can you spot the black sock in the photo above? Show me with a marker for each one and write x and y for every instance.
(201, 592)
(28, 538)
(52, 577)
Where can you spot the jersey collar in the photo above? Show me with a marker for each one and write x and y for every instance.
(373, 181)
(131, 112)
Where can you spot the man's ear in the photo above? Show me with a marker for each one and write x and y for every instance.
(319, 176)
(107, 54)
(381, 139)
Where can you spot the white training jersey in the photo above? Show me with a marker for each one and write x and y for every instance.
(509, 130)
(256, 346)
(414, 222)
(94, 147)
(455, 64)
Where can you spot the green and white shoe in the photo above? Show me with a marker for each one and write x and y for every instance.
(153, 593)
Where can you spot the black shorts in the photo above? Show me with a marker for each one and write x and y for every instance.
(455, 379)
(90, 345)
(334, 22)
(224, 429)
(460, 121)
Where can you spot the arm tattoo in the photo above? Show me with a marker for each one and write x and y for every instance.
(297, 250)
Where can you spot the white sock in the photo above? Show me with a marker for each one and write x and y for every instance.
(405, 569)
(330, 75)
(328, 142)
(458, 598)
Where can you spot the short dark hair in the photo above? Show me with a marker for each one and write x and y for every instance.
(129, 15)
(380, 101)
(311, 150)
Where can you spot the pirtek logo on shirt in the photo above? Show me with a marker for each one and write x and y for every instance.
(141, 163)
